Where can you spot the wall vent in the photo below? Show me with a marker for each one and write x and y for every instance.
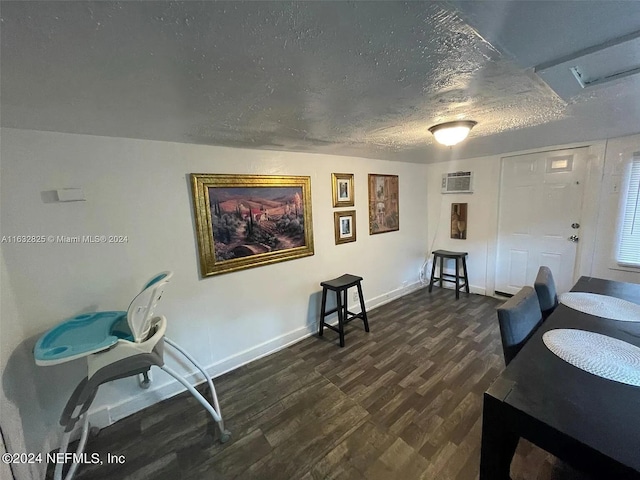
(457, 182)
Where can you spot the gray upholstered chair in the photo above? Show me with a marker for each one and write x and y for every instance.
(546, 290)
(519, 317)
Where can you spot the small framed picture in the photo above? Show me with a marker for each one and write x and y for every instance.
(342, 186)
(345, 226)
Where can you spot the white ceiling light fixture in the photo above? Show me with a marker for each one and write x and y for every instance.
(451, 133)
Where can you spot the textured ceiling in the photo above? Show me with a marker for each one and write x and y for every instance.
(357, 78)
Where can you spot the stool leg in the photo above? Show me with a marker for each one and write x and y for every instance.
(340, 318)
(433, 273)
(466, 276)
(441, 270)
(323, 308)
(457, 278)
(364, 311)
(345, 315)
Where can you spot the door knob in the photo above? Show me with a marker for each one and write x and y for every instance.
(574, 238)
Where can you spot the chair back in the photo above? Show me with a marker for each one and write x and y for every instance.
(546, 291)
(142, 307)
(519, 318)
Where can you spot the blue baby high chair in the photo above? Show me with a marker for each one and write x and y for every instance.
(117, 345)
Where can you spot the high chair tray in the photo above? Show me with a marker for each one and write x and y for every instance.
(80, 336)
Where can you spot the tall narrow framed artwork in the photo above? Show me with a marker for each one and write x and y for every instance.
(246, 221)
(459, 220)
(342, 188)
(384, 209)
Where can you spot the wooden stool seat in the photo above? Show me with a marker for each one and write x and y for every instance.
(459, 257)
(340, 285)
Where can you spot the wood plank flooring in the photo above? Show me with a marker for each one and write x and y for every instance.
(402, 402)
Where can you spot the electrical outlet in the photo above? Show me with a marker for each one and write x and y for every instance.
(354, 296)
(615, 185)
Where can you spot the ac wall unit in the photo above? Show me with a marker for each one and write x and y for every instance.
(457, 182)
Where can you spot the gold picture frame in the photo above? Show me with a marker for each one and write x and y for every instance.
(344, 225)
(384, 208)
(342, 189)
(246, 221)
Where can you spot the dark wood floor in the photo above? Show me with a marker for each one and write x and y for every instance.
(402, 402)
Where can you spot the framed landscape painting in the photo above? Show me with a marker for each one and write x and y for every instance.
(384, 211)
(245, 221)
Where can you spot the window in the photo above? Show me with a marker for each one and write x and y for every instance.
(629, 244)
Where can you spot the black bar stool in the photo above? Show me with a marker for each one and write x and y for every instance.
(447, 277)
(340, 285)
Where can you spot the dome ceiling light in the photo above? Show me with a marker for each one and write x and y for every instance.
(451, 133)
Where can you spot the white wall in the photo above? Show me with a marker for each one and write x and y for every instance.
(619, 153)
(481, 214)
(140, 189)
(600, 210)
(14, 388)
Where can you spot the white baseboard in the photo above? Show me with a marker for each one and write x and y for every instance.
(472, 289)
(106, 415)
(392, 295)
(477, 290)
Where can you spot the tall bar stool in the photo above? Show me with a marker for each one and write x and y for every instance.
(459, 257)
(340, 285)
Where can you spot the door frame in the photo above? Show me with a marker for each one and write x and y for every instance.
(589, 213)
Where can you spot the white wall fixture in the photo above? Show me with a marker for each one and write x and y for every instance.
(452, 133)
(70, 195)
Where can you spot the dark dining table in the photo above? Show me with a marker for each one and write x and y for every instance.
(588, 421)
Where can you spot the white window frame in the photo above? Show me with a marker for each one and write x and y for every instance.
(628, 242)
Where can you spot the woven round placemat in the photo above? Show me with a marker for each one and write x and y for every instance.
(602, 306)
(598, 354)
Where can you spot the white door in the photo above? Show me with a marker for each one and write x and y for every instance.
(538, 224)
